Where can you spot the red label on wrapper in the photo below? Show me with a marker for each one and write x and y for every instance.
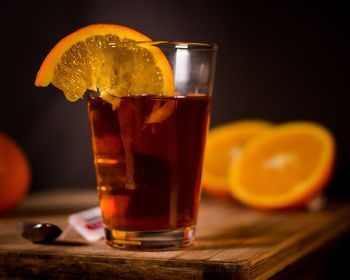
(88, 224)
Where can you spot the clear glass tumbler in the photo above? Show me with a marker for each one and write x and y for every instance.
(148, 153)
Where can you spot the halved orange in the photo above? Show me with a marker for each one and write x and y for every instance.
(102, 57)
(224, 144)
(15, 174)
(284, 167)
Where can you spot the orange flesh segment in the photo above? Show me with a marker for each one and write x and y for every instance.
(283, 167)
(288, 162)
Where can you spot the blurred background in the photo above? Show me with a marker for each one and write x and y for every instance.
(277, 62)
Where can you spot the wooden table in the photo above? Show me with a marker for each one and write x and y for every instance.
(232, 243)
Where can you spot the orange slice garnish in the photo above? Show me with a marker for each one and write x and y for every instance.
(284, 167)
(224, 144)
(100, 57)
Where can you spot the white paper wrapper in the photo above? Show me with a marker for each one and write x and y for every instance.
(88, 224)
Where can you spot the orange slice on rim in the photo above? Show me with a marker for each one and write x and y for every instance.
(284, 167)
(102, 57)
(224, 144)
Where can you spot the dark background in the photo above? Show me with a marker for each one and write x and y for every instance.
(280, 62)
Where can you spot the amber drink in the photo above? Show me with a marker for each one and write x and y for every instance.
(148, 155)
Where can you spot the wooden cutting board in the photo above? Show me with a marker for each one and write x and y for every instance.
(231, 243)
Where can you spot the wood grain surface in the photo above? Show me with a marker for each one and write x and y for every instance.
(232, 242)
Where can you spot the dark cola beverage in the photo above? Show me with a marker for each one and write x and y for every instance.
(148, 155)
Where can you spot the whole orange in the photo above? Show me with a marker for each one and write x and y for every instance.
(15, 174)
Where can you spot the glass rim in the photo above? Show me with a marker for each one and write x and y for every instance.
(189, 45)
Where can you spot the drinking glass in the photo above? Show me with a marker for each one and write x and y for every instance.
(148, 153)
